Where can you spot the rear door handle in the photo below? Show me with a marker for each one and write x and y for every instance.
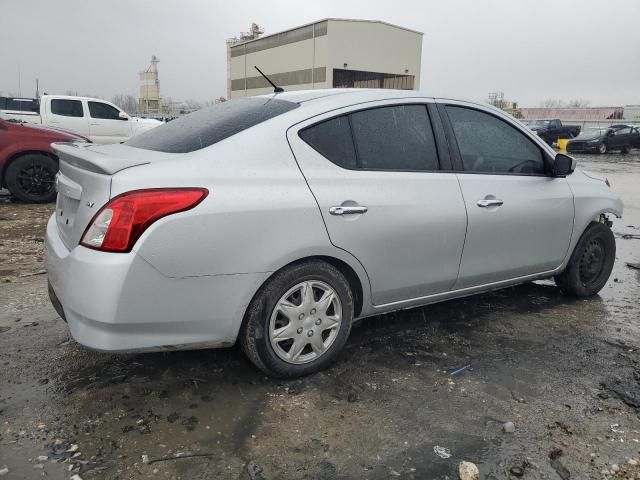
(347, 210)
(485, 202)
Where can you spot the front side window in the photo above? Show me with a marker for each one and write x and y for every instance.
(103, 111)
(67, 108)
(490, 145)
(623, 131)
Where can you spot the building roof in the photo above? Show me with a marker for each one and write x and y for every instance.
(326, 20)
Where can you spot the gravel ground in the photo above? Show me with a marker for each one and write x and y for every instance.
(565, 372)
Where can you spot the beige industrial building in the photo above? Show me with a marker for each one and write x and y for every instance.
(331, 53)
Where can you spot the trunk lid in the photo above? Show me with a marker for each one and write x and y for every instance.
(84, 183)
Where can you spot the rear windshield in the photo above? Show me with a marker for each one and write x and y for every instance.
(20, 104)
(210, 125)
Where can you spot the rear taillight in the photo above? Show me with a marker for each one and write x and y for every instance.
(119, 224)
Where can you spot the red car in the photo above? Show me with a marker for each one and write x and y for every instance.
(28, 166)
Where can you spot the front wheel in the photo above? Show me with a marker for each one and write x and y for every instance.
(31, 178)
(602, 148)
(591, 262)
(299, 320)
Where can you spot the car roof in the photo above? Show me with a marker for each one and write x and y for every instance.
(334, 98)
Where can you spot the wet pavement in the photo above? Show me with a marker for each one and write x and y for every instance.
(564, 371)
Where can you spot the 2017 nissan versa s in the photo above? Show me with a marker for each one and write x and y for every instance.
(277, 220)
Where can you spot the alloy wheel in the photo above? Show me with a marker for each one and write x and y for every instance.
(35, 179)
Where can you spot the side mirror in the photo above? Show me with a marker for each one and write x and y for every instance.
(123, 116)
(563, 165)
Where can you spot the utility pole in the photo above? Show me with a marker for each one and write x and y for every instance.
(19, 86)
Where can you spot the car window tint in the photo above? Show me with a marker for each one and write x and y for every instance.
(210, 125)
(104, 111)
(68, 108)
(20, 104)
(395, 138)
(490, 145)
(333, 140)
(623, 131)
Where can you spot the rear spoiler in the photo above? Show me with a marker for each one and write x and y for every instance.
(83, 155)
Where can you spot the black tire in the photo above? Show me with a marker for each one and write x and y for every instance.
(602, 148)
(31, 178)
(254, 335)
(591, 262)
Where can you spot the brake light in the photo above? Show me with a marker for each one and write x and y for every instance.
(119, 224)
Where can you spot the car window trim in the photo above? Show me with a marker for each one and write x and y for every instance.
(359, 168)
(453, 144)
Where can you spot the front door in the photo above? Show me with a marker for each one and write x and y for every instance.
(105, 124)
(520, 218)
(376, 177)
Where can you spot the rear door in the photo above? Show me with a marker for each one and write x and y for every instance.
(520, 218)
(68, 114)
(384, 197)
(105, 124)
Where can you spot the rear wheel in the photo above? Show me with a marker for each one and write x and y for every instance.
(31, 178)
(299, 320)
(591, 262)
(602, 148)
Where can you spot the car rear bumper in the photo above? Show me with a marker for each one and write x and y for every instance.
(119, 302)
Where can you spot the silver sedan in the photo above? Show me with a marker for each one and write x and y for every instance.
(276, 221)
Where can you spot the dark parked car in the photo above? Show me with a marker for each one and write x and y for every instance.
(602, 140)
(551, 130)
(28, 166)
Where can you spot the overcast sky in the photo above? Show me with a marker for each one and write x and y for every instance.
(530, 50)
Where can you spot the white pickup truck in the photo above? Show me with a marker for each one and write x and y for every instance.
(98, 120)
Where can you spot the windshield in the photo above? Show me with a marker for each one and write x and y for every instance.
(592, 132)
(540, 123)
(210, 125)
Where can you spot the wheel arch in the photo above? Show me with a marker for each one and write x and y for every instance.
(359, 286)
(18, 155)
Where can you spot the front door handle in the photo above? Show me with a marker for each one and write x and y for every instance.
(487, 202)
(347, 210)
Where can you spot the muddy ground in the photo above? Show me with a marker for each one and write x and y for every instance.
(564, 371)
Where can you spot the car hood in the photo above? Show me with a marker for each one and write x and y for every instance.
(593, 175)
(589, 136)
(55, 131)
(146, 121)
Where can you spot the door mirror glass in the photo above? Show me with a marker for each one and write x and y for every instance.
(123, 116)
(563, 165)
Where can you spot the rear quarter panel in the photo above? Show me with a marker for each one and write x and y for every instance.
(258, 217)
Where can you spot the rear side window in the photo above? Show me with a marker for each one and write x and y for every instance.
(210, 125)
(490, 145)
(103, 111)
(394, 138)
(67, 108)
(333, 140)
